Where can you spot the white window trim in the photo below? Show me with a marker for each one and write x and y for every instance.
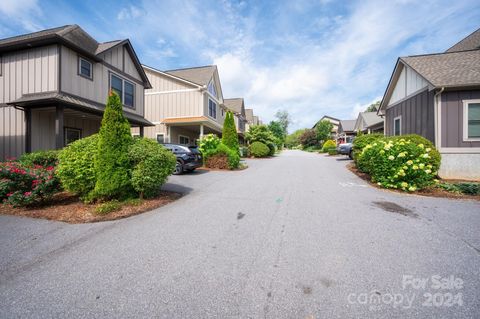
(80, 59)
(157, 134)
(136, 134)
(400, 123)
(465, 121)
(188, 138)
(208, 108)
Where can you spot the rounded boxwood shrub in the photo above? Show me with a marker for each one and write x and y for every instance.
(328, 146)
(272, 148)
(258, 149)
(43, 158)
(222, 157)
(151, 165)
(363, 140)
(76, 169)
(400, 162)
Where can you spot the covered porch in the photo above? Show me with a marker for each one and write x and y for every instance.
(186, 131)
(54, 120)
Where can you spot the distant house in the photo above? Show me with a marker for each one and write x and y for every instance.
(248, 118)
(335, 122)
(346, 130)
(184, 104)
(369, 122)
(54, 85)
(237, 107)
(438, 97)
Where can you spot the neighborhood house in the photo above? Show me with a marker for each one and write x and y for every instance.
(438, 96)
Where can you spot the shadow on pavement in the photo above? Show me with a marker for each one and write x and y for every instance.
(177, 188)
(343, 159)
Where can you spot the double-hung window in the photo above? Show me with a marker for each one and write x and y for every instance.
(212, 109)
(471, 120)
(124, 89)
(85, 68)
(183, 140)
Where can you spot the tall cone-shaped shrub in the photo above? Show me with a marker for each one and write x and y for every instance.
(229, 133)
(112, 164)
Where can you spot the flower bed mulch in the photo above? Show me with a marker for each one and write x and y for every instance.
(431, 191)
(68, 208)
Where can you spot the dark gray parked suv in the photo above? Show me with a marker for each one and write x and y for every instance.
(346, 148)
(188, 157)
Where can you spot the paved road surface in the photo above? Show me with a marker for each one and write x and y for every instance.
(296, 236)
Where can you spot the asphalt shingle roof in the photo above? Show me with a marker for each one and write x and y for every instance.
(471, 42)
(234, 105)
(249, 115)
(453, 69)
(348, 125)
(198, 75)
(371, 118)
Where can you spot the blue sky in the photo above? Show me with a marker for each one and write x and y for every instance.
(308, 57)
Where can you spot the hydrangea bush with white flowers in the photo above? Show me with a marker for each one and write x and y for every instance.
(408, 163)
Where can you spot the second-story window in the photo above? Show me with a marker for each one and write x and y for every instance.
(211, 89)
(212, 109)
(85, 68)
(124, 89)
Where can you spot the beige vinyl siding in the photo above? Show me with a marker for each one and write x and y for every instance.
(23, 72)
(408, 82)
(220, 117)
(97, 89)
(163, 83)
(43, 127)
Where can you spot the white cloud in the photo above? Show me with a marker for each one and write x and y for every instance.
(129, 13)
(25, 13)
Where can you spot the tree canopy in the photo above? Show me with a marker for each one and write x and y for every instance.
(324, 130)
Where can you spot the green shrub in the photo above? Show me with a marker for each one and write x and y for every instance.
(244, 151)
(259, 149)
(112, 162)
(468, 188)
(328, 146)
(208, 143)
(108, 207)
(222, 157)
(43, 158)
(23, 185)
(363, 140)
(400, 163)
(332, 151)
(76, 169)
(229, 133)
(272, 147)
(260, 133)
(151, 165)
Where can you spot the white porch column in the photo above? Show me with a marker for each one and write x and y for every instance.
(169, 139)
(201, 131)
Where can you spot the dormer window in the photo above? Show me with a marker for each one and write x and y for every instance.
(85, 68)
(211, 89)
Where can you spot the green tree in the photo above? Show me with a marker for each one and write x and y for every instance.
(324, 130)
(277, 130)
(293, 139)
(229, 133)
(373, 107)
(260, 133)
(283, 118)
(112, 162)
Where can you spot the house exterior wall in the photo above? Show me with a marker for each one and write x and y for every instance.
(43, 127)
(23, 72)
(97, 89)
(451, 114)
(417, 115)
(169, 98)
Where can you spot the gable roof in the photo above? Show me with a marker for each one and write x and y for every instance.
(249, 115)
(74, 37)
(235, 105)
(471, 42)
(347, 125)
(371, 118)
(199, 75)
(453, 69)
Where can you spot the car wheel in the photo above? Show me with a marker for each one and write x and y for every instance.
(178, 168)
(350, 155)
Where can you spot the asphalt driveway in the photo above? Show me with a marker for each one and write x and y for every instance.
(295, 236)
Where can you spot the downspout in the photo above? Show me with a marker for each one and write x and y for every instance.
(437, 121)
